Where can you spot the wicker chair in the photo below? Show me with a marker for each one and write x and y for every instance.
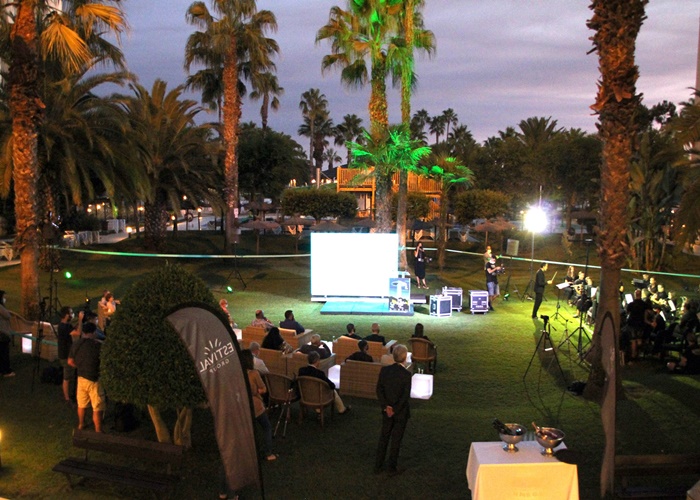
(315, 394)
(423, 351)
(276, 361)
(280, 391)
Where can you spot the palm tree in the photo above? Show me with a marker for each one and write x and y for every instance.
(350, 130)
(451, 173)
(450, 118)
(314, 110)
(415, 37)
(232, 39)
(266, 87)
(437, 126)
(332, 157)
(394, 152)
(366, 33)
(418, 122)
(172, 150)
(616, 24)
(686, 131)
(64, 40)
(80, 142)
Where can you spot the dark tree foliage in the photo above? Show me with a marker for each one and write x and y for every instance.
(143, 361)
(267, 161)
(417, 206)
(319, 203)
(480, 204)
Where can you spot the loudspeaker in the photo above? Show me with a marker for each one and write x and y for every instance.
(512, 248)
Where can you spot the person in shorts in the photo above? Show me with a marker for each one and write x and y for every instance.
(85, 358)
(491, 270)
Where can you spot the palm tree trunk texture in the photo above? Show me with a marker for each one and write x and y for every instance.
(379, 123)
(154, 223)
(232, 118)
(616, 24)
(26, 110)
(406, 73)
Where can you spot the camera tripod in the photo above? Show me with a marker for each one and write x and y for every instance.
(506, 291)
(546, 345)
(234, 271)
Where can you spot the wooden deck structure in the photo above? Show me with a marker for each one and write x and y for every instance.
(351, 180)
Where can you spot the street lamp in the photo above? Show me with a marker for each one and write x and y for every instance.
(535, 221)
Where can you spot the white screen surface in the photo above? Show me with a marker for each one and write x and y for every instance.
(353, 264)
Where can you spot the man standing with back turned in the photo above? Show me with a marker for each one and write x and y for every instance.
(393, 392)
(540, 283)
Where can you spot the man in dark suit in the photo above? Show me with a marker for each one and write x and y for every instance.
(316, 346)
(374, 336)
(311, 370)
(393, 392)
(351, 332)
(540, 283)
(362, 354)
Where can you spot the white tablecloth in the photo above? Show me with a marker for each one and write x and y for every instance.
(495, 474)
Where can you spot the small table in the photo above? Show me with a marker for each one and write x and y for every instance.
(496, 474)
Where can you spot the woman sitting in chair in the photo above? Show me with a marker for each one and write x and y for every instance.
(273, 340)
(428, 354)
(257, 389)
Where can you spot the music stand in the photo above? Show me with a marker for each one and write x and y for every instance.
(580, 330)
(560, 287)
(545, 339)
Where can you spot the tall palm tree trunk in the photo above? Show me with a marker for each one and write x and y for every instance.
(616, 24)
(379, 123)
(232, 118)
(406, 72)
(26, 109)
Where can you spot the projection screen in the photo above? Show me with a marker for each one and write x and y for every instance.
(353, 264)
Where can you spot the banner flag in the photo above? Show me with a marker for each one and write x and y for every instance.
(215, 353)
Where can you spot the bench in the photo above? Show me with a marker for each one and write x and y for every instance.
(138, 449)
(655, 466)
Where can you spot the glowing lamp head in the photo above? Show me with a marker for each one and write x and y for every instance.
(535, 220)
(68, 275)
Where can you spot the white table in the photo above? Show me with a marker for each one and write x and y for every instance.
(496, 474)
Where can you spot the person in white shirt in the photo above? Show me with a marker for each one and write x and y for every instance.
(258, 363)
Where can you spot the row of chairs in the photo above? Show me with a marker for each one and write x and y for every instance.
(310, 392)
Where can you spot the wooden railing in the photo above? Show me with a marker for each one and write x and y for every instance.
(348, 180)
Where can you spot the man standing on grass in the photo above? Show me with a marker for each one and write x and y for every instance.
(85, 358)
(540, 283)
(393, 392)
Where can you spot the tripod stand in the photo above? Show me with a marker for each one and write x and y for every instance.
(557, 314)
(545, 343)
(36, 351)
(506, 292)
(235, 271)
(580, 330)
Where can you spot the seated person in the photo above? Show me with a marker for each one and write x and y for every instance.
(388, 359)
(418, 332)
(577, 287)
(261, 320)
(374, 336)
(362, 354)
(258, 363)
(569, 278)
(584, 301)
(690, 359)
(223, 304)
(351, 332)
(273, 340)
(312, 371)
(290, 323)
(316, 346)
(653, 287)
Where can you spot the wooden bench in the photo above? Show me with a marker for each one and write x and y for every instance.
(655, 466)
(139, 449)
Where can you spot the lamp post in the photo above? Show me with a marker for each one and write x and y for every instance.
(535, 221)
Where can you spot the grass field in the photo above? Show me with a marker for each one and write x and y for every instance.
(482, 362)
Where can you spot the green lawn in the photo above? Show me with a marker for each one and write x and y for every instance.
(482, 360)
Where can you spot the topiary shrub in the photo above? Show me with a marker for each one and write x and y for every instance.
(143, 360)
